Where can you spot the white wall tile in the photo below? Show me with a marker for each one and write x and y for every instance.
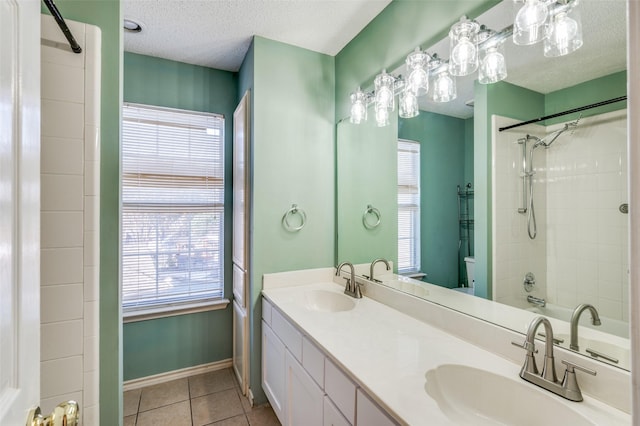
(91, 319)
(91, 283)
(61, 303)
(91, 213)
(62, 119)
(61, 376)
(69, 83)
(90, 385)
(61, 266)
(61, 229)
(91, 415)
(61, 192)
(91, 248)
(92, 178)
(60, 155)
(91, 353)
(60, 339)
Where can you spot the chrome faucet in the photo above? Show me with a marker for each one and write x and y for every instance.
(548, 379)
(353, 287)
(575, 317)
(385, 261)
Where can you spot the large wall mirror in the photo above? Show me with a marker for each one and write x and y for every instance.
(539, 211)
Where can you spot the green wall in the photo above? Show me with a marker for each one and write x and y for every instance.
(589, 92)
(106, 14)
(166, 344)
(293, 162)
(442, 167)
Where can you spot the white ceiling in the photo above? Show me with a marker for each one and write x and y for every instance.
(217, 33)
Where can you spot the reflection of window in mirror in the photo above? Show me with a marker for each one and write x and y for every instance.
(408, 206)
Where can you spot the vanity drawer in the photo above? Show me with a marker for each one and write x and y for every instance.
(313, 361)
(341, 390)
(289, 335)
(369, 413)
(332, 416)
(266, 311)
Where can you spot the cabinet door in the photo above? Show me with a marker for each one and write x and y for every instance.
(273, 371)
(368, 412)
(332, 416)
(305, 399)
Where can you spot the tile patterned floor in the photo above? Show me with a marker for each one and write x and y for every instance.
(207, 399)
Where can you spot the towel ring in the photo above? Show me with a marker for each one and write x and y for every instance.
(292, 211)
(371, 211)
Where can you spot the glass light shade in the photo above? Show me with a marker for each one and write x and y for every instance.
(493, 67)
(408, 104)
(464, 50)
(443, 87)
(382, 117)
(417, 64)
(384, 91)
(529, 25)
(358, 107)
(564, 34)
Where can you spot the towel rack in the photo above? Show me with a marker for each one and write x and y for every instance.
(294, 210)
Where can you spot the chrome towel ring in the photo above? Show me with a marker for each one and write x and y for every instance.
(294, 210)
(371, 217)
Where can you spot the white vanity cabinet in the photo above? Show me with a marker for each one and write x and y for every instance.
(303, 386)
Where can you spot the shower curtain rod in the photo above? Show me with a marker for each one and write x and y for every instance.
(559, 114)
(63, 25)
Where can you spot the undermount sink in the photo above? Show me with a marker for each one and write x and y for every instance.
(328, 301)
(471, 396)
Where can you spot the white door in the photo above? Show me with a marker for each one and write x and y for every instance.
(19, 209)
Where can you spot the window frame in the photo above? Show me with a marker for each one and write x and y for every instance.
(414, 209)
(174, 307)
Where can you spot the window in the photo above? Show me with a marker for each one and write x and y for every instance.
(408, 206)
(172, 208)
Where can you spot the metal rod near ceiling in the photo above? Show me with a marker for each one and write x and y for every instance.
(570, 111)
(63, 26)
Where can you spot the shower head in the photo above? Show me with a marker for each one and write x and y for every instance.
(555, 135)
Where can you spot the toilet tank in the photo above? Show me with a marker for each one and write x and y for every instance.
(471, 263)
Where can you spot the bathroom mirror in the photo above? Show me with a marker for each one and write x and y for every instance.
(579, 254)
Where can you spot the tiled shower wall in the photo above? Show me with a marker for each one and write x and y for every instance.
(580, 254)
(69, 270)
(514, 253)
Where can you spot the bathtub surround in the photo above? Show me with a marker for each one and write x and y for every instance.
(70, 218)
(580, 254)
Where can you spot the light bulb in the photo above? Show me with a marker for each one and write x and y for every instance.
(493, 67)
(564, 35)
(464, 52)
(444, 88)
(408, 105)
(384, 91)
(418, 81)
(529, 22)
(382, 117)
(358, 107)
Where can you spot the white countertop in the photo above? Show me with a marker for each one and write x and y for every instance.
(389, 353)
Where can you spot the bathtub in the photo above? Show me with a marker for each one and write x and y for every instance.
(612, 326)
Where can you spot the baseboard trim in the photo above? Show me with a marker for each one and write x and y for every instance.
(175, 374)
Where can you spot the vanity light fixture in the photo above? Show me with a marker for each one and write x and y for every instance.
(564, 32)
(529, 25)
(463, 59)
(473, 47)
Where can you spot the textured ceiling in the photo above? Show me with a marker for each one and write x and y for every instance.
(217, 33)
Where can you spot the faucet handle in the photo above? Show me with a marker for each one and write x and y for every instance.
(527, 346)
(571, 366)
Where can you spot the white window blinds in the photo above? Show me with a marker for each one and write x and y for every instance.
(172, 207)
(408, 206)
